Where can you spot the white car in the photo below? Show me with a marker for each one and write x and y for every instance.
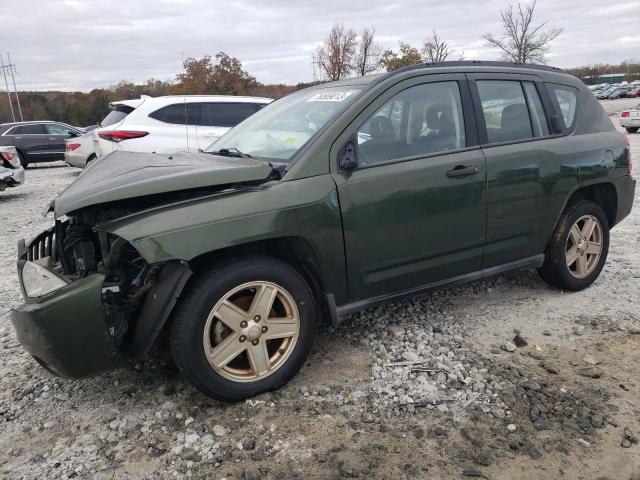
(630, 119)
(173, 123)
(79, 150)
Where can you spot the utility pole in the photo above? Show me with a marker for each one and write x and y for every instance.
(4, 73)
(12, 68)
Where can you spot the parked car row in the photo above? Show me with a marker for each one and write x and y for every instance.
(162, 125)
(616, 90)
(148, 124)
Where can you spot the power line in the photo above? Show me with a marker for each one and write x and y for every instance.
(4, 74)
(12, 69)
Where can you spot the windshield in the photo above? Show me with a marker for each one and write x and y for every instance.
(280, 129)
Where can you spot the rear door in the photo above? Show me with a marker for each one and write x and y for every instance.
(530, 171)
(414, 210)
(216, 118)
(171, 128)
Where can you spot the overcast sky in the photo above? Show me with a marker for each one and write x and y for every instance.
(84, 44)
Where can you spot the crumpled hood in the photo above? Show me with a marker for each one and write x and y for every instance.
(122, 175)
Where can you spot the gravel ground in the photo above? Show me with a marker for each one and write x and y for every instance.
(496, 379)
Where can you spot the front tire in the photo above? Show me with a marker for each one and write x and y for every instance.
(244, 327)
(631, 129)
(578, 248)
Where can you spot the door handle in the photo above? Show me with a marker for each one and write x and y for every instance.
(462, 171)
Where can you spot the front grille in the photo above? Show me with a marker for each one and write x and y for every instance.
(44, 245)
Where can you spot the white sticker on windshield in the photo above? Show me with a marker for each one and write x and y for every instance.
(329, 97)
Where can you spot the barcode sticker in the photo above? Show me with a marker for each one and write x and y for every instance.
(329, 97)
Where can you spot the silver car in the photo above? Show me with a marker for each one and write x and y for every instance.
(11, 172)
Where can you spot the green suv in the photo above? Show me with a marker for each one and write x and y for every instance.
(331, 200)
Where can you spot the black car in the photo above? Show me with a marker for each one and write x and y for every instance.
(41, 141)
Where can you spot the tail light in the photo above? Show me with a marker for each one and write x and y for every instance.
(628, 148)
(72, 146)
(624, 114)
(9, 159)
(120, 135)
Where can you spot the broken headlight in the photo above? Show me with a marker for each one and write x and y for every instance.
(39, 281)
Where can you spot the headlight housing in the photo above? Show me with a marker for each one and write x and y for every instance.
(39, 281)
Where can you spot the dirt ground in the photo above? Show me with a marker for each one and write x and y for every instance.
(564, 406)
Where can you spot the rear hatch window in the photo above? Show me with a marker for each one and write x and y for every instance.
(116, 115)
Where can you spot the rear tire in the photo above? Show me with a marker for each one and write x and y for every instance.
(224, 362)
(578, 248)
(631, 129)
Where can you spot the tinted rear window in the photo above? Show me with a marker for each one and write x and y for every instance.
(177, 113)
(116, 115)
(28, 130)
(224, 114)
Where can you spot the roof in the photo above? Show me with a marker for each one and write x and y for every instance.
(378, 77)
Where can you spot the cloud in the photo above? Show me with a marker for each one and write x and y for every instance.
(80, 45)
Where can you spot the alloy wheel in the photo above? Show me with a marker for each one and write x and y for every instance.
(584, 246)
(251, 331)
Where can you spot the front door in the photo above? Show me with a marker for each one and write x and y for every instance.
(414, 210)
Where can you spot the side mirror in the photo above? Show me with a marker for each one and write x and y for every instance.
(557, 123)
(348, 157)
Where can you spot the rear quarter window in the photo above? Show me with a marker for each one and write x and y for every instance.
(567, 98)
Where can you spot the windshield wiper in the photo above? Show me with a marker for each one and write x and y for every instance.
(231, 152)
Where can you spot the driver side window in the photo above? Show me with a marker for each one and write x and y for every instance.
(421, 120)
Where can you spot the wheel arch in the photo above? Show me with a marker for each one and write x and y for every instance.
(296, 251)
(603, 193)
(177, 277)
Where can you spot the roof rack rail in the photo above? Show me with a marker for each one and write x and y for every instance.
(480, 63)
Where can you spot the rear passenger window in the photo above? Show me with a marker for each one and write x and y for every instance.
(28, 130)
(567, 100)
(224, 114)
(505, 110)
(538, 117)
(178, 114)
(420, 120)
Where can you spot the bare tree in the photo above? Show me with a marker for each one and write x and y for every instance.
(435, 49)
(367, 56)
(522, 41)
(334, 59)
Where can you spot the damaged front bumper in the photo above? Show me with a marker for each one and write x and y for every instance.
(65, 330)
